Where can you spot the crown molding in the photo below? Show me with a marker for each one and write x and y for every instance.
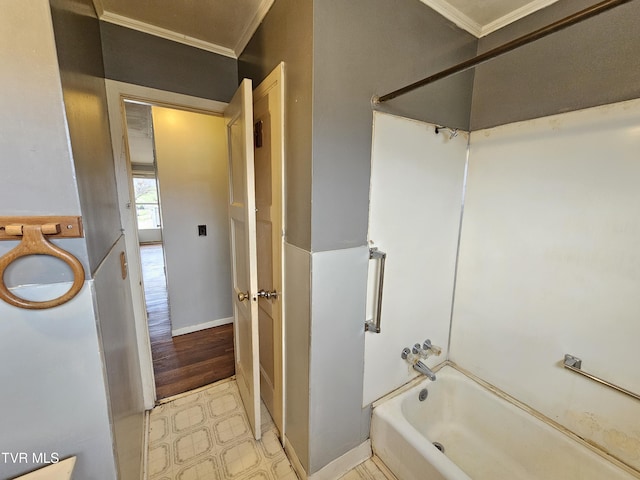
(98, 5)
(262, 11)
(449, 12)
(465, 22)
(514, 16)
(166, 34)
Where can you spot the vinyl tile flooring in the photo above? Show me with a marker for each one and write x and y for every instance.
(205, 435)
(368, 470)
(185, 362)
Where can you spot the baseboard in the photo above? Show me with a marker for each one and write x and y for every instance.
(145, 445)
(343, 464)
(201, 326)
(293, 458)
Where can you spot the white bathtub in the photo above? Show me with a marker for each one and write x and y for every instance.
(485, 437)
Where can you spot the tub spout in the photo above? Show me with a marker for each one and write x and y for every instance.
(423, 369)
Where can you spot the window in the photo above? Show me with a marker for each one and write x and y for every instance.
(147, 207)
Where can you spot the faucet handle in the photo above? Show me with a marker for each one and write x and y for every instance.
(429, 347)
(405, 353)
(417, 350)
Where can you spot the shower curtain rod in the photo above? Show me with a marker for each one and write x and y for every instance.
(507, 47)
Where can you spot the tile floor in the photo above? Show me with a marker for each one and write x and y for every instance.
(206, 436)
(367, 470)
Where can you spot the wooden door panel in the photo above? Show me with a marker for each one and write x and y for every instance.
(239, 121)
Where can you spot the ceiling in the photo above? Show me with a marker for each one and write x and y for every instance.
(139, 133)
(226, 26)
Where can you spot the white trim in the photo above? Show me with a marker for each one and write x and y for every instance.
(178, 396)
(116, 93)
(166, 34)
(164, 97)
(511, 17)
(99, 6)
(201, 326)
(294, 460)
(145, 445)
(343, 464)
(444, 8)
(251, 28)
(449, 12)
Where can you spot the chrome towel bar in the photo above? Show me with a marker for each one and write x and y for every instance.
(375, 254)
(575, 365)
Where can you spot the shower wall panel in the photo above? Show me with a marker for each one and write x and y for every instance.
(417, 180)
(549, 265)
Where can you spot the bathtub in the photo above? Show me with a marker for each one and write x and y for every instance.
(484, 436)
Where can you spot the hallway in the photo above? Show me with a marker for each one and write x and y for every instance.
(188, 361)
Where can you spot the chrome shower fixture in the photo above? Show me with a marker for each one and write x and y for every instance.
(453, 132)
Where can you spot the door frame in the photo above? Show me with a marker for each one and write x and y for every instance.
(275, 81)
(117, 93)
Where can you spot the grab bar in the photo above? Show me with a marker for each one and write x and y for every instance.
(575, 365)
(375, 254)
(33, 242)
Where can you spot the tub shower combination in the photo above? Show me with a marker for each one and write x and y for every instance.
(458, 428)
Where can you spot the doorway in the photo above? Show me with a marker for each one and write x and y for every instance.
(178, 167)
(272, 367)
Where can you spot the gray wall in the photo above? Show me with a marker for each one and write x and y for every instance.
(77, 35)
(135, 57)
(362, 48)
(33, 138)
(286, 35)
(592, 63)
(343, 53)
(50, 365)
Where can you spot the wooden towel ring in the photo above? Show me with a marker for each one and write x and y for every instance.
(35, 243)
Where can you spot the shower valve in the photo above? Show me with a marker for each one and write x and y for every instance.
(427, 349)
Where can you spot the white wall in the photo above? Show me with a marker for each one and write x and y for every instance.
(549, 264)
(54, 398)
(297, 305)
(191, 155)
(121, 361)
(416, 196)
(339, 279)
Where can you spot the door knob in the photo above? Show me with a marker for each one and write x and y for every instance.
(268, 295)
(243, 296)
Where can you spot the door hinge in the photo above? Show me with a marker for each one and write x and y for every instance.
(257, 134)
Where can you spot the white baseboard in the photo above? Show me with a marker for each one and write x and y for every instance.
(343, 464)
(201, 326)
(293, 458)
(145, 445)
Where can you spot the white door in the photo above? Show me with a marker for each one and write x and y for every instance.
(269, 156)
(242, 211)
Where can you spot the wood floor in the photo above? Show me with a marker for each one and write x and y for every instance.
(188, 361)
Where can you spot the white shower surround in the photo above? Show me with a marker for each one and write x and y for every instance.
(547, 266)
(414, 217)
